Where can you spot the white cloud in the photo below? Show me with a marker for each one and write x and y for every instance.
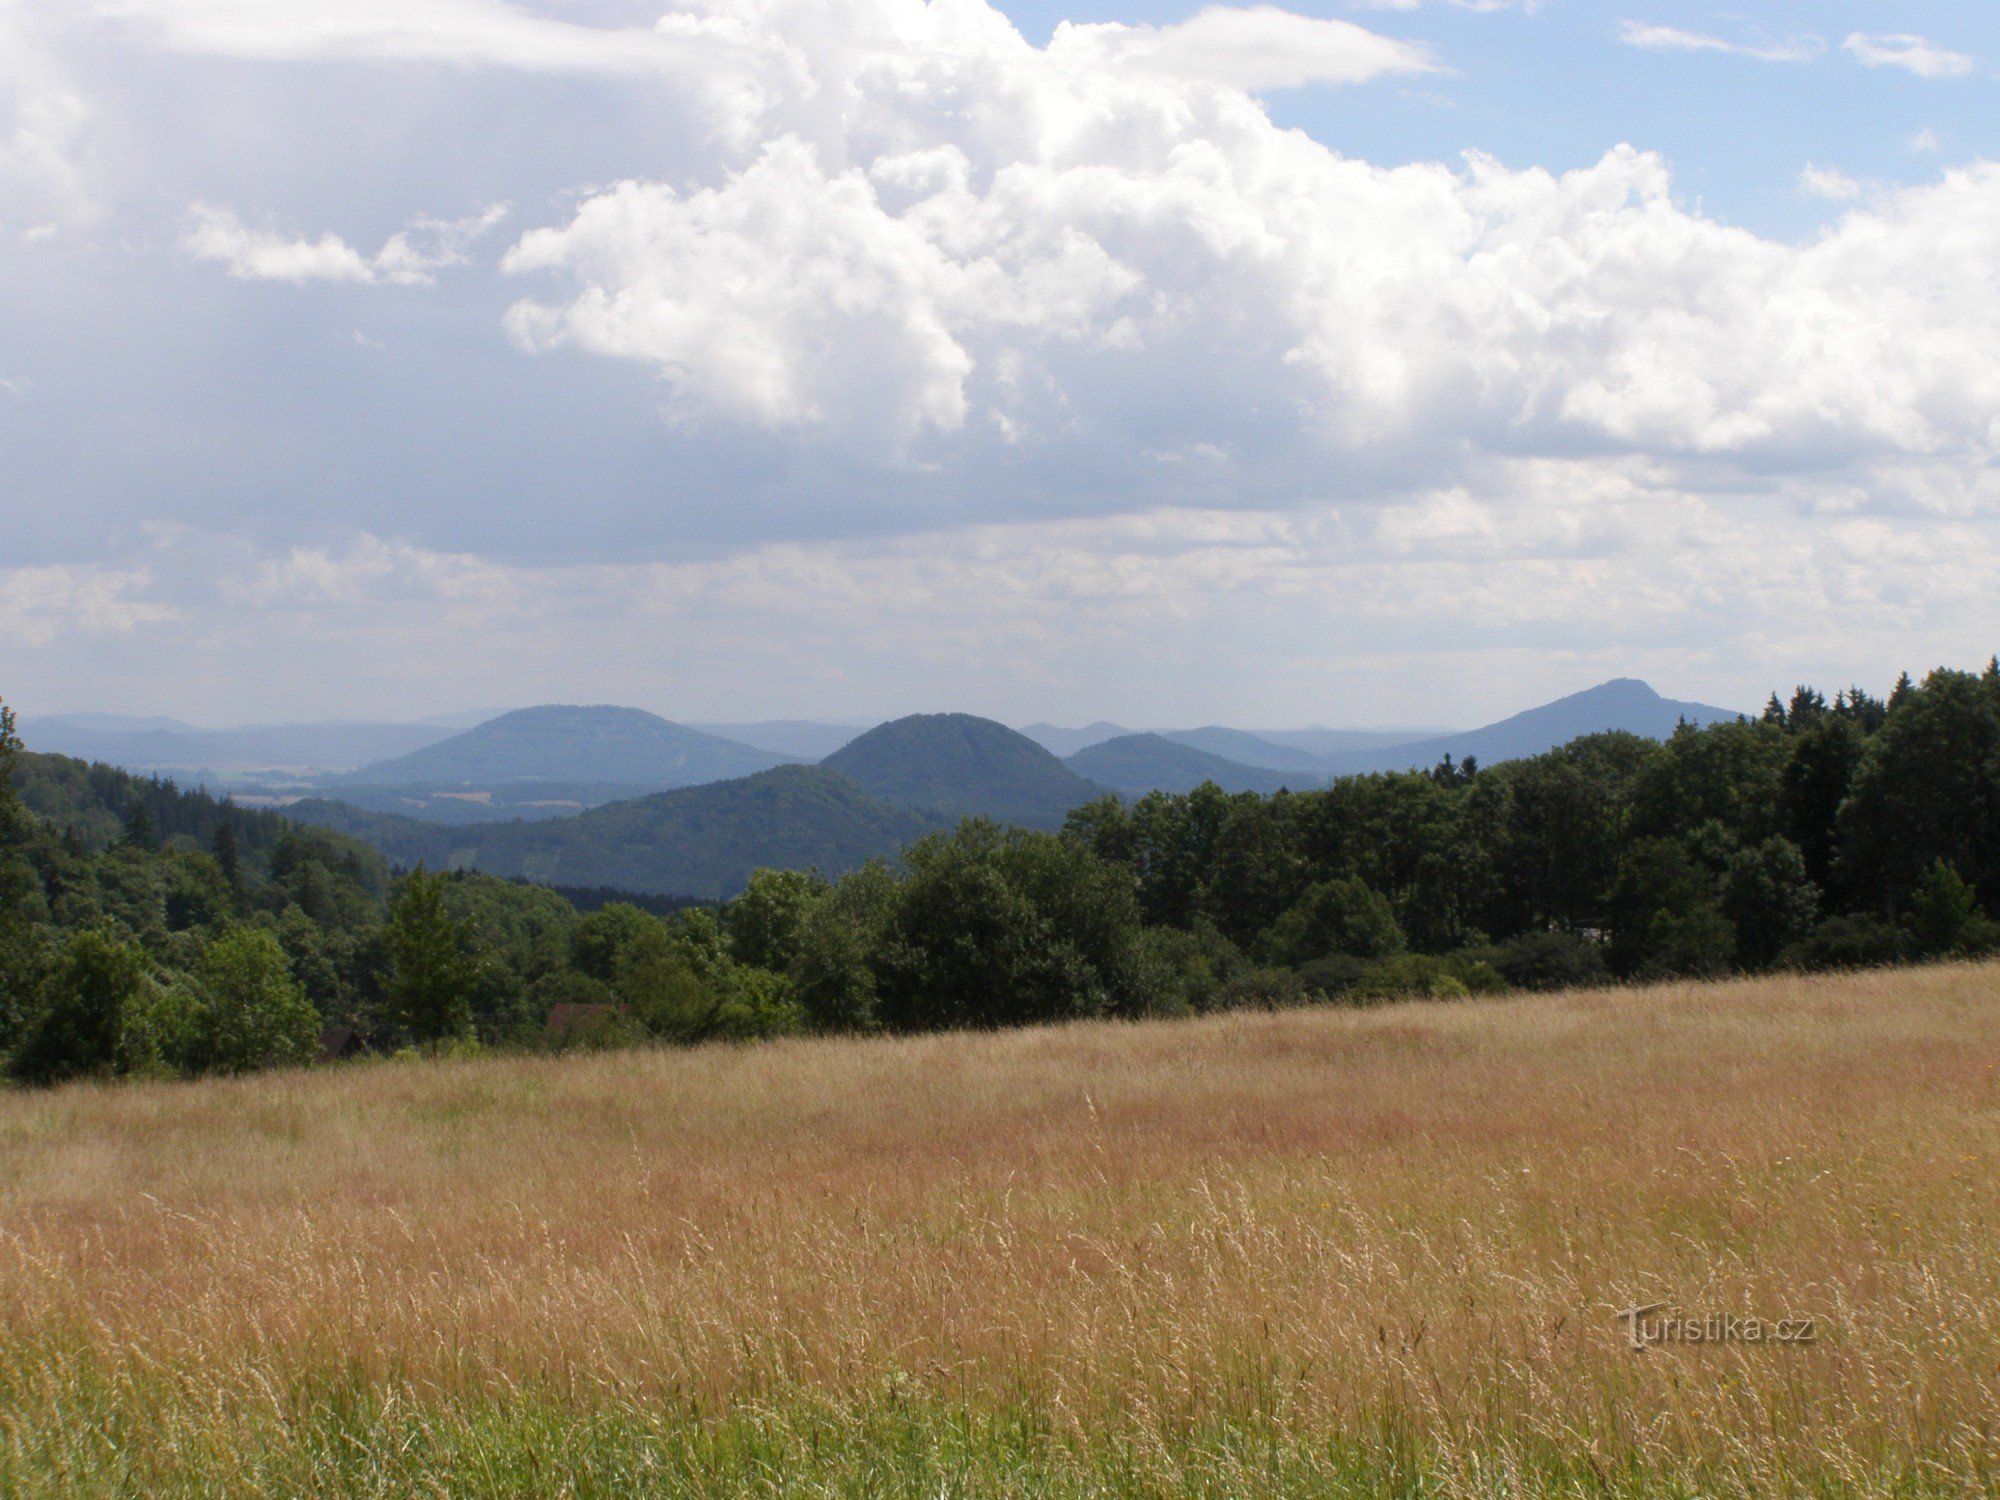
(43, 118)
(983, 235)
(1262, 615)
(1923, 142)
(42, 605)
(487, 33)
(1830, 183)
(1902, 50)
(1255, 48)
(1673, 39)
(410, 257)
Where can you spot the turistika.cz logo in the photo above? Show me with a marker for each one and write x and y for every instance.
(1659, 1323)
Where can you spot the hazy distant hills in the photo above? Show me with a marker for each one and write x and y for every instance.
(620, 746)
(870, 797)
(1270, 749)
(890, 786)
(1134, 764)
(961, 766)
(797, 739)
(1624, 703)
(1063, 742)
(144, 745)
(696, 841)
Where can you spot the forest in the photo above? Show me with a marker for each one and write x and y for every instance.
(152, 930)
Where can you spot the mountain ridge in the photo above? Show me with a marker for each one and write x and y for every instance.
(573, 743)
(961, 765)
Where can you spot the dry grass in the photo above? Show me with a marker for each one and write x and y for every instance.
(1395, 1239)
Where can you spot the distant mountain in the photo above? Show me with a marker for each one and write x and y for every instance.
(1321, 742)
(306, 747)
(1624, 703)
(1066, 742)
(622, 746)
(801, 739)
(1246, 749)
(1134, 764)
(961, 766)
(696, 841)
(111, 724)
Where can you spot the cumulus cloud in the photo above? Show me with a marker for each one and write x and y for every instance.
(1673, 39)
(1258, 48)
(959, 233)
(410, 257)
(1902, 50)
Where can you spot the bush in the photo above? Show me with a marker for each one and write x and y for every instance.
(1549, 961)
(1424, 976)
(1943, 918)
(1264, 989)
(1850, 942)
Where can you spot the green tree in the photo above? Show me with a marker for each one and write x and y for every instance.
(1665, 919)
(228, 857)
(1769, 899)
(431, 973)
(80, 1024)
(1000, 927)
(832, 972)
(766, 922)
(597, 941)
(1335, 918)
(140, 832)
(1942, 915)
(1928, 789)
(254, 1014)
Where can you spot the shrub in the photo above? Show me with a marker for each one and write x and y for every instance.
(1848, 942)
(1549, 961)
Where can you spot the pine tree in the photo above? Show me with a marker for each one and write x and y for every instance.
(226, 854)
(139, 830)
(431, 971)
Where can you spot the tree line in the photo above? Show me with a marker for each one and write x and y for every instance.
(149, 929)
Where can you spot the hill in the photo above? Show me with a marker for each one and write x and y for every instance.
(798, 739)
(1134, 764)
(693, 841)
(1245, 749)
(1624, 703)
(957, 765)
(1062, 742)
(556, 743)
(164, 745)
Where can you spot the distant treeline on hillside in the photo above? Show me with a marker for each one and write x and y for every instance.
(145, 929)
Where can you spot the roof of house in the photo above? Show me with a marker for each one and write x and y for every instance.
(568, 1013)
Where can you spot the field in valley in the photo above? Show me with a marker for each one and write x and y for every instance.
(1324, 1251)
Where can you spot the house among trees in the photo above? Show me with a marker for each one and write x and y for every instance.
(338, 1043)
(568, 1016)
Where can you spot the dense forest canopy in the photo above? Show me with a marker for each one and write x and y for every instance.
(149, 929)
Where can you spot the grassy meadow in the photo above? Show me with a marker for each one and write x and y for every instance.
(1321, 1251)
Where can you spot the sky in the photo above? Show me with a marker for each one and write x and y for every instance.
(1400, 362)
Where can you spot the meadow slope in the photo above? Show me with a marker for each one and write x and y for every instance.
(1320, 1251)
